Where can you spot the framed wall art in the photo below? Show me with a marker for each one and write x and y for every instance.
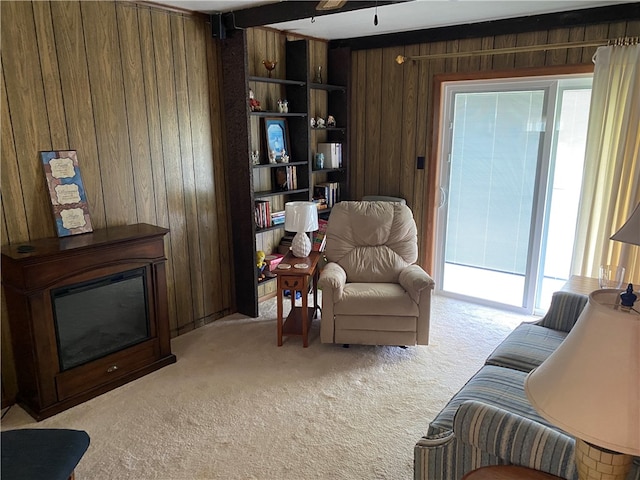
(68, 197)
(276, 133)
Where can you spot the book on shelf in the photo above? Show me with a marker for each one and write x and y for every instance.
(262, 214)
(329, 191)
(286, 177)
(319, 236)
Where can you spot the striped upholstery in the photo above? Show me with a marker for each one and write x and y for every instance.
(498, 386)
(526, 347)
(491, 422)
(564, 311)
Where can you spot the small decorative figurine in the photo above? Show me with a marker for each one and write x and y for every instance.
(283, 106)
(254, 104)
(269, 65)
(313, 122)
(320, 122)
(272, 156)
(255, 157)
(331, 122)
(628, 298)
(260, 264)
(284, 158)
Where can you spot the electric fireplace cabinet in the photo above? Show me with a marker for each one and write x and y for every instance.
(87, 314)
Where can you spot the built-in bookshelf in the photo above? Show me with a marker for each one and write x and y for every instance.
(260, 186)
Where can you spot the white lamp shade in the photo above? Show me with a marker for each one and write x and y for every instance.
(300, 217)
(630, 231)
(590, 386)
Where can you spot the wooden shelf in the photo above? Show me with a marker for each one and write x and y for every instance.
(293, 323)
(279, 192)
(268, 229)
(278, 114)
(276, 165)
(279, 81)
(328, 88)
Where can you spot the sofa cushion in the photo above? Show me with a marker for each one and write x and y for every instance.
(526, 347)
(497, 386)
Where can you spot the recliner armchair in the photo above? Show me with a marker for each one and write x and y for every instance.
(372, 291)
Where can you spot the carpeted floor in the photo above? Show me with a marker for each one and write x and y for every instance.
(236, 406)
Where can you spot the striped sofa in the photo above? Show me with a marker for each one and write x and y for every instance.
(491, 422)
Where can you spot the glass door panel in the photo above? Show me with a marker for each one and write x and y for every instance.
(496, 143)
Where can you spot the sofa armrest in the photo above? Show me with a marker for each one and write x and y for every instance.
(515, 439)
(564, 311)
(414, 279)
(333, 277)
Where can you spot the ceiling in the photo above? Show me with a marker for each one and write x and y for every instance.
(399, 17)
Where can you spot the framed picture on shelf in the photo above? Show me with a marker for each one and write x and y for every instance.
(276, 134)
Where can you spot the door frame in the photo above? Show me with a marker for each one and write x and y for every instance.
(432, 200)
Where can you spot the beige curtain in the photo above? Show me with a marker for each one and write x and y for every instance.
(611, 182)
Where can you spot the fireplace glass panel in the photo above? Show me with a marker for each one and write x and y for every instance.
(99, 317)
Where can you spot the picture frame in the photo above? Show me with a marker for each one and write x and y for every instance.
(276, 136)
(66, 189)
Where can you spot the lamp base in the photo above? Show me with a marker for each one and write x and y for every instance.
(301, 245)
(595, 463)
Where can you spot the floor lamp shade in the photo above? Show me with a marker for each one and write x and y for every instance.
(589, 387)
(630, 231)
(300, 217)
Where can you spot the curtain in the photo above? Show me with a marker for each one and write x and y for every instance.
(611, 181)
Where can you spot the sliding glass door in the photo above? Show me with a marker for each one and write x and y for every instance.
(498, 225)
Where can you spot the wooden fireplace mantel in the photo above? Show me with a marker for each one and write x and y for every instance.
(31, 271)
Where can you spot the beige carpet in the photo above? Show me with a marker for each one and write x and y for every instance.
(235, 406)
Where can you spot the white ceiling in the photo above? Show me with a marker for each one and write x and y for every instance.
(399, 17)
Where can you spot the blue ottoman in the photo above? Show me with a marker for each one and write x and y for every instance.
(38, 454)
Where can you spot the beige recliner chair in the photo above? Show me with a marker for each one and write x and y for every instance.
(372, 293)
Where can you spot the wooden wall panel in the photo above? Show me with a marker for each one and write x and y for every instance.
(135, 90)
(78, 107)
(380, 115)
(26, 106)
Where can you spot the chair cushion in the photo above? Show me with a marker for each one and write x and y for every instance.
(372, 241)
(497, 386)
(526, 347)
(36, 454)
(381, 299)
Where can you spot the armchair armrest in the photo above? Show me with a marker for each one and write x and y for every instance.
(333, 277)
(564, 311)
(515, 439)
(414, 279)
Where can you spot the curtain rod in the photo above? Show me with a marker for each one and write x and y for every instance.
(400, 59)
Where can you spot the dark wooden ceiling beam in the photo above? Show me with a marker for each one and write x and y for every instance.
(288, 11)
(613, 13)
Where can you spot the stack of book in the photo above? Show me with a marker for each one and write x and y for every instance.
(277, 218)
(329, 191)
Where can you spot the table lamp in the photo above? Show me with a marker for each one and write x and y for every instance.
(300, 217)
(589, 387)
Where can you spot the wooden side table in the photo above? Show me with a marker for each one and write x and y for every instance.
(508, 472)
(296, 278)
(583, 285)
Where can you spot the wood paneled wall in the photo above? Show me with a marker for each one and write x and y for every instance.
(135, 90)
(393, 107)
